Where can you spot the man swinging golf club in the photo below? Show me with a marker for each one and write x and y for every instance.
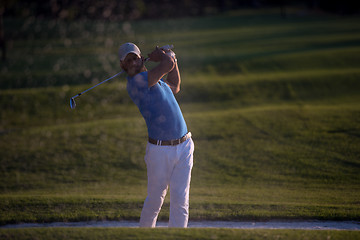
(169, 152)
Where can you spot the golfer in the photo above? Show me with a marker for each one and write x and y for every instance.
(169, 151)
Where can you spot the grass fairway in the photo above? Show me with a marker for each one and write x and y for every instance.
(273, 105)
(145, 234)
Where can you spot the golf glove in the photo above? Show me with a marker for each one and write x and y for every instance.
(168, 51)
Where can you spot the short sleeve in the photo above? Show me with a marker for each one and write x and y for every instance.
(137, 87)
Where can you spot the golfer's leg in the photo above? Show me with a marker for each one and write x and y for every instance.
(151, 209)
(157, 186)
(180, 187)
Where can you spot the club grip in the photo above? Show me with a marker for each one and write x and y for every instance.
(167, 47)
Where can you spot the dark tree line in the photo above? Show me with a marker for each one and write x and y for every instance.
(140, 9)
(119, 10)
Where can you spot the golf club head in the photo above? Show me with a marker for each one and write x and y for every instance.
(72, 103)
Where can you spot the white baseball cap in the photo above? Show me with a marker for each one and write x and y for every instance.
(127, 48)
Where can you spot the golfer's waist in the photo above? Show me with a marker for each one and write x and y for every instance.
(170, 142)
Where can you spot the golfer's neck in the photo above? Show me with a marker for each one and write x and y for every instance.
(143, 69)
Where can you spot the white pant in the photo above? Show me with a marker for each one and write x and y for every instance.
(168, 166)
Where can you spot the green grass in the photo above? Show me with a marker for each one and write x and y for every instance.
(273, 105)
(121, 233)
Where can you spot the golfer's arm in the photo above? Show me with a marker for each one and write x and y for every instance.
(173, 79)
(165, 66)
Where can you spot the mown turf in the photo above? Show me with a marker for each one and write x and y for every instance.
(272, 103)
(197, 234)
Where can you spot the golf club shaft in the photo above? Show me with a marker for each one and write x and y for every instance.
(98, 84)
(146, 59)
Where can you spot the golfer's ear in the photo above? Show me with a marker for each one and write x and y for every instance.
(121, 64)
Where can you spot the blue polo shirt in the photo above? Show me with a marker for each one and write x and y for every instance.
(158, 106)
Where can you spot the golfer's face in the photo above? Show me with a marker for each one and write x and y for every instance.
(132, 64)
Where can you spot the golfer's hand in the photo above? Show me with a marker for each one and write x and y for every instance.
(156, 55)
(168, 51)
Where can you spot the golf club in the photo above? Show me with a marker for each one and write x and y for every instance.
(72, 99)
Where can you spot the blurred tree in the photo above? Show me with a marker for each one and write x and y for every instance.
(5, 4)
(2, 34)
(115, 10)
(341, 7)
(277, 3)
